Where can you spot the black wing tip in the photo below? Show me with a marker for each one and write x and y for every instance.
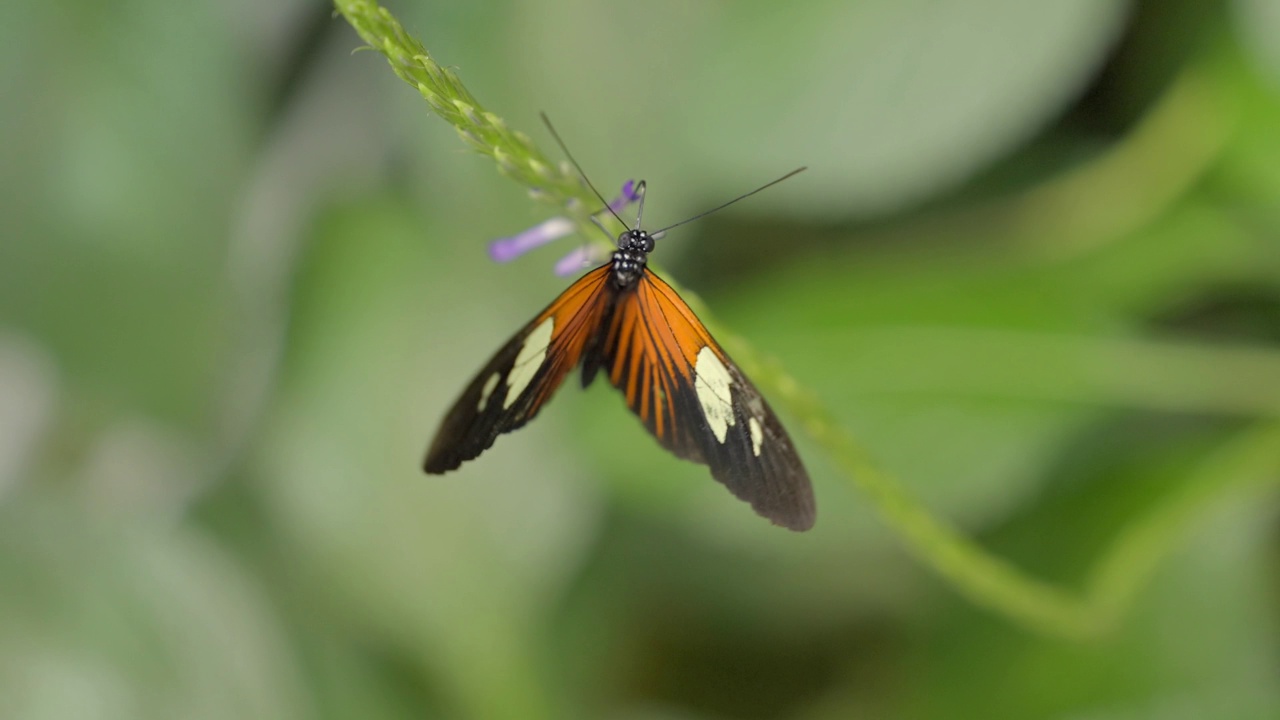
(435, 464)
(787, 502)
(791, 506)
(444, 456)
(797, 518)
(800, 522)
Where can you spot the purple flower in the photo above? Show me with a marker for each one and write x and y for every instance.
(509, 248)
(627, 196)
(582, 257)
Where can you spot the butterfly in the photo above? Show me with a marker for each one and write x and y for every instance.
(623, 322)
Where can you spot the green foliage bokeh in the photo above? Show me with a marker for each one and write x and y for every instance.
(1034, 269)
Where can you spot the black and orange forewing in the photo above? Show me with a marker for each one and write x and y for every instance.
(693, 398)
(523, 375)
(673, 374)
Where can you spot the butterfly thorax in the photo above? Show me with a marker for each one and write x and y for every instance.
(630, 258)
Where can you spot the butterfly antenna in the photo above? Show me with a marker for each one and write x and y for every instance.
(547, 121)
(725, 205)
(640, 192)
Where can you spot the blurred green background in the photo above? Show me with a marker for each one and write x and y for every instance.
(1034, 268)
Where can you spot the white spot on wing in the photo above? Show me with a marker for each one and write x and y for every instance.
(528, 361)
(487, 390)
(712, 381)
(757, 436)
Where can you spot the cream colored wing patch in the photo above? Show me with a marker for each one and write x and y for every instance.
(487, 390)
(757, 435)
(532, 354)
(712, 381)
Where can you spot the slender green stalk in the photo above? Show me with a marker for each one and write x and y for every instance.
(1251, 459)
(483, 131)
(1246, 464)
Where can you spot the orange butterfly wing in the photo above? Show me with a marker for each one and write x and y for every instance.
(697, 403)
(522, 376)
(686, 390)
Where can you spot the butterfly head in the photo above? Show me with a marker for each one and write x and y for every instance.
(635, 241)
(631, 256)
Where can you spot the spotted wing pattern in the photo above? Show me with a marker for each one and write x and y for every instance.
(523, 375)
(698, 404)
